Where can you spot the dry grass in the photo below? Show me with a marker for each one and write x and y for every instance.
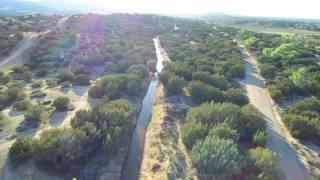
(165, 156)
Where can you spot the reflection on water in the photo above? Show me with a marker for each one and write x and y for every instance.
(131, 167)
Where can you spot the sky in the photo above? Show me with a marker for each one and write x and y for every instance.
(272, 8)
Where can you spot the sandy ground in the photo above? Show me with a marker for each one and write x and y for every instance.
(289, 162)
(78, 95)
(165, 156)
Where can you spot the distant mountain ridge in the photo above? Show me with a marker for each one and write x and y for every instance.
(19, 7)
(24, 7)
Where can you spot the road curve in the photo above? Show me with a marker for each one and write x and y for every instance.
(288, 161)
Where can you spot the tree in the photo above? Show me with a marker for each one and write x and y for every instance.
(21, 149)
(61, 103)
(215, 157)
(175, 85)
(236, 96)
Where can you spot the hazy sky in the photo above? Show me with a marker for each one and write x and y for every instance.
(274, 8)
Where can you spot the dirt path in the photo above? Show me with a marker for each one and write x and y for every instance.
(18, 53)
(288, 161)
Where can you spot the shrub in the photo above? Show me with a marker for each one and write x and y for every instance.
(51, 83)
(224, 131)
(265, 160)
(268, 71)
(21, 149)
(175, 85)
(2, 119)
(260, 138)
(65, 75)
(14, 92)
(34, 114)
(82, 80)
(42, 72)
(22, 105)
(236, 96)
(275, 93)
(300, 126)
(191, 132)
(164, 77)
(139, 69)
(215, 156)
(61, 103)
(201, 92)
(96, 91)
(37, 84)
(27, 76)
(19, 68)
(60, 148)
(4, 79)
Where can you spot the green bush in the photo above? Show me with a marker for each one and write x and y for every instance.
(191, 132)
(22, 105)
(19, 68)
(112, 85)
(267, 70)
(300, 126)
(215, 157)
(139, 69)
(260, 138)
(201, 92)
(34, 114)
(60, 148)
(82, 80)
(236, 96)
(175, 85)
(2, 119)
(61, 103)
(4, 79)
(224, 131)
(21, 149)
(42, 72)
(37, 84)
(65, 75)
(51, 83)
(164, 77)
(27, 76)
(265, 160)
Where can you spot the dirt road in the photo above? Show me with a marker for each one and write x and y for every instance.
(288, 161)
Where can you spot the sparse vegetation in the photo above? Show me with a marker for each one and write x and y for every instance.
(61, 103)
